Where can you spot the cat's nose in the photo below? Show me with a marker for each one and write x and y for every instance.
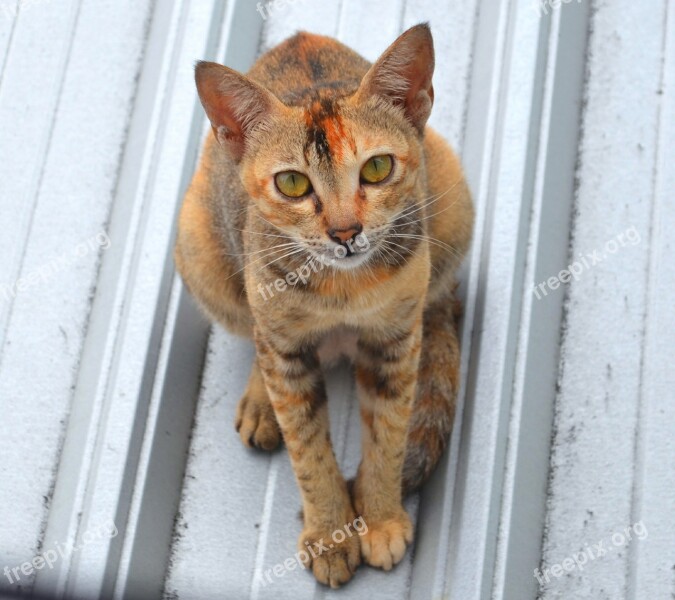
(342, 236)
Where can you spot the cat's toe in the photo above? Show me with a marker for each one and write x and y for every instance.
(384, 544)
(332, 563)
(257, 425)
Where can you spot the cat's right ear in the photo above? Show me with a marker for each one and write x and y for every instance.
(234, 104)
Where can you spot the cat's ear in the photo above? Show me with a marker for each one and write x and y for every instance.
(402, 75)
(234, 104)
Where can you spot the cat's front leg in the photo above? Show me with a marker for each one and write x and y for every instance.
(386, 370)
(297, 393)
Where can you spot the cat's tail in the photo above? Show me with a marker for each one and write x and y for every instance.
(437, 386)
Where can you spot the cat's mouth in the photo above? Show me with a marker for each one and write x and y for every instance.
(353, 260)
(343, 257)
(346, 256)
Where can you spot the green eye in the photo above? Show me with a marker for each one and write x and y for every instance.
(293, 184)
(377, 169)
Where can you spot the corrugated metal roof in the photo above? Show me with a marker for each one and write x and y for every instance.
(118, 405)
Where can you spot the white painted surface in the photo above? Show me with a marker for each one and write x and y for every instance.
(603, 448)
(65, 104)
(653, 498)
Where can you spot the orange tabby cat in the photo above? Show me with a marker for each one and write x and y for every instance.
(324, 212)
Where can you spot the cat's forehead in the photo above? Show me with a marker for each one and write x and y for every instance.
(328, 136)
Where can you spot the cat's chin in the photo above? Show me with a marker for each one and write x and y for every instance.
(347, 263)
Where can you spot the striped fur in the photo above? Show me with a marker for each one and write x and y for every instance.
(314, 106)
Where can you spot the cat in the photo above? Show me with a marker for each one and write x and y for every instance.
(323, 215)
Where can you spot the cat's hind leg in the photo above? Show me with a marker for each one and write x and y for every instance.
(437, 383)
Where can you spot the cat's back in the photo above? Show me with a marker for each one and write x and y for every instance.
(306, 62)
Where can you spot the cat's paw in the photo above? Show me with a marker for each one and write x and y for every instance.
(256, 423)
(384, 544)
(333, 563)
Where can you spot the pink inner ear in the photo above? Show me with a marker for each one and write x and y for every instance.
(219, 109)
(227, 129)
(419, 75)
(418, 99)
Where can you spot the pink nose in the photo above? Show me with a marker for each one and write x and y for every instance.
(342, 236)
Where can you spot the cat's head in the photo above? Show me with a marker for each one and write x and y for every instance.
(341, 172)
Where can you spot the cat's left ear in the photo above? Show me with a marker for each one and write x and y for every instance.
(402, 75)
(234, 104)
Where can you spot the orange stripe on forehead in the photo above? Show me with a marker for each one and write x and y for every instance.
(335, 134)
(325, 129)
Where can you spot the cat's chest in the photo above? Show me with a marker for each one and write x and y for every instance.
(350, 311)
(338, 343)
